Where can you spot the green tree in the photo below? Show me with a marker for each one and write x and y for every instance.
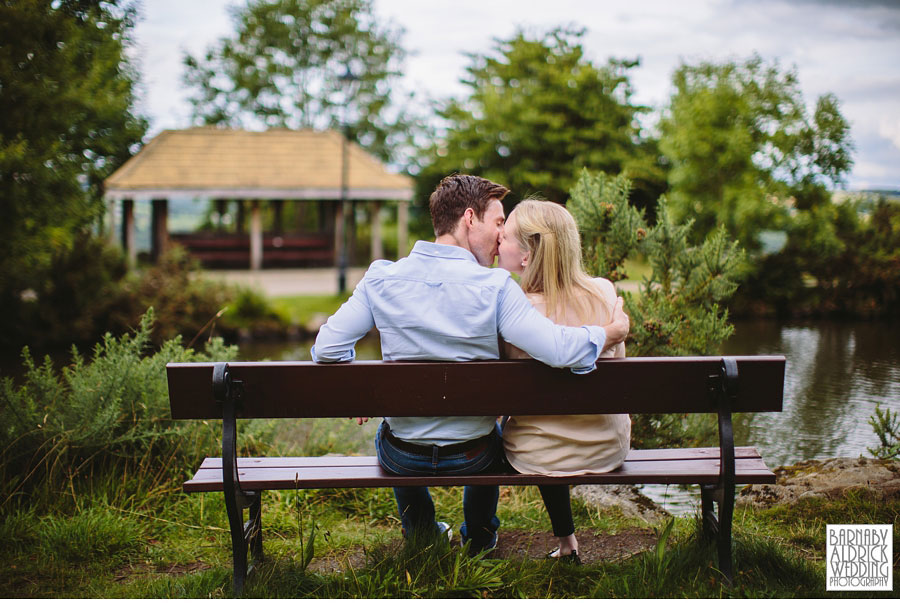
(66, 98)
(287, 67)
(743, 148)
(538, 112)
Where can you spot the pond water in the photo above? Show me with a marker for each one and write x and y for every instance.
(836, 373)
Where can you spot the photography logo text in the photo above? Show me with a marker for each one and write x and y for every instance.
(859, 557)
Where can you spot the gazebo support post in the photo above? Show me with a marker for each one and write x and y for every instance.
(256, 236)
(159, 238)
(402, 228)
(351, 233)
(241, 219)
(111, 207)
(339, 250)
(377, 251)
(128, 242)
(221, 210)
(278, 216)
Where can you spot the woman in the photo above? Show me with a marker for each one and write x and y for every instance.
(541, 244)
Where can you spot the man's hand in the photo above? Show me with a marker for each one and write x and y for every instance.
(617, 330)
(361, 420)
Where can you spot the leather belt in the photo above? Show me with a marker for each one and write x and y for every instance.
(428, 450)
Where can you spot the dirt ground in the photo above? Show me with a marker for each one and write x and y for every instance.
(594, 547)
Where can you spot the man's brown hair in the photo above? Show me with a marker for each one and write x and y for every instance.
(458, 192)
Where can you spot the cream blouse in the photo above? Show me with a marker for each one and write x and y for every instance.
(569, 444)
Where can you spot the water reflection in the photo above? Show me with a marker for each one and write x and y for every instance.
(835, 375)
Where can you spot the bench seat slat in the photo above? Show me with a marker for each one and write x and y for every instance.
(696, 471)
(665, 454)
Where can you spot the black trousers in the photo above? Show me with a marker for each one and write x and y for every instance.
(559, 508)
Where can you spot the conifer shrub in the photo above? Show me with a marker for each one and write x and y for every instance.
(680, 309)
(57, 426)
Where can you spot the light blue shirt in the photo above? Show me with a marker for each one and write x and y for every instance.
(440, 304)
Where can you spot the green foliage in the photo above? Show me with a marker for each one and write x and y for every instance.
(183, 304)
(66, 100)
(678, 312)
(660, 559)
(286, 65)
(839, 259)
(74, 303)
(886, 426)
(538, 111)
(739, 137)
(91, 294)
(59, 424)
(600, 206)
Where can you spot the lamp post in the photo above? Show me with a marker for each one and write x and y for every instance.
(349, 80)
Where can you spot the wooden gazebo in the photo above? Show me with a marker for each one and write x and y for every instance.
(260, 171)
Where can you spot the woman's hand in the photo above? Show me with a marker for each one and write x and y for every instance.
(361, 420)
(617, 329)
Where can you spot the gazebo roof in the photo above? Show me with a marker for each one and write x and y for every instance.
(237, 164)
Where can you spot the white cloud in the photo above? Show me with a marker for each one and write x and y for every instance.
(890, 128)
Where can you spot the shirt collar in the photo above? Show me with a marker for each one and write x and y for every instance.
(439, 250)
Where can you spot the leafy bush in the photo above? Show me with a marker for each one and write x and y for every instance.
(839, 259)
(58, 425)
(184, 304)
(250, 308)
(71, 302)
(89, 292)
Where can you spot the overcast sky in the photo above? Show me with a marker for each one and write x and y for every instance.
(850, 48)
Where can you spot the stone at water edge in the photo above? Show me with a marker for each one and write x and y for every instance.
(827, 478)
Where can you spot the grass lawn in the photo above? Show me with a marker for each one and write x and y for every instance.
(132, 533)
(301, 309)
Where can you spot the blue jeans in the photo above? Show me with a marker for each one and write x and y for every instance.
(414, 502)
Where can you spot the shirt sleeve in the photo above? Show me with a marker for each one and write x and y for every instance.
(337, 338)
(521, 325)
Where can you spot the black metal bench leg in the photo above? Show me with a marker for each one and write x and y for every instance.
(726, 513)
(238, 541)
(253, 527)
(709, 522)
(724, 389)
(228, 392)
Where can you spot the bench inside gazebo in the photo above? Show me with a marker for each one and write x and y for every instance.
(322, 176)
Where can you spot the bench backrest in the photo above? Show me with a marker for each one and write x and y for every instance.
(486, 388)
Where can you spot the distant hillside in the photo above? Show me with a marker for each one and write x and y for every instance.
(868, 195)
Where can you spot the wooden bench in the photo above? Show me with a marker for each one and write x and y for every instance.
(225, 250)
(634, 385)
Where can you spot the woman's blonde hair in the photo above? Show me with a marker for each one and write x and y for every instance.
(548, 231)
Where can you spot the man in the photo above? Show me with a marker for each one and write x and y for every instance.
(443, 302)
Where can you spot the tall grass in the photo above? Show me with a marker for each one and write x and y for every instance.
(64, 431)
